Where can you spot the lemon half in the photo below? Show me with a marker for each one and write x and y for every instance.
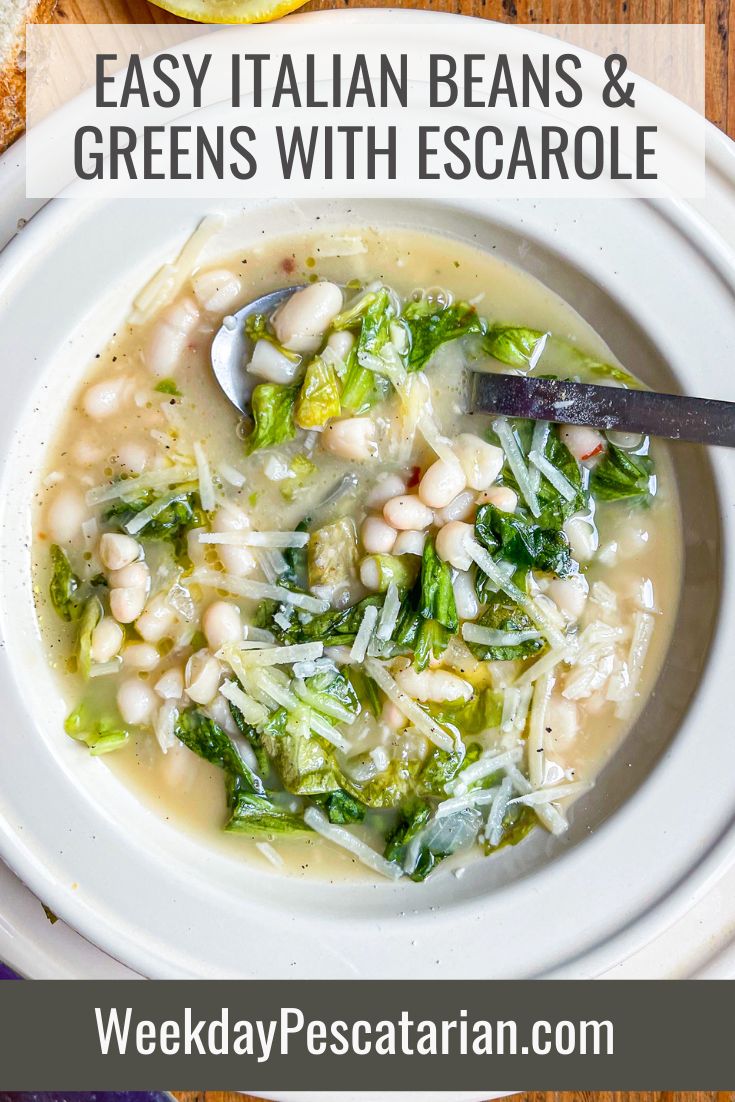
(230, 11)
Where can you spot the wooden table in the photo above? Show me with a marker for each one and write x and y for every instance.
(530, 1096)
(717, 15)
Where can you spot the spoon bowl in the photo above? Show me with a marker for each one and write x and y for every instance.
(232, 348)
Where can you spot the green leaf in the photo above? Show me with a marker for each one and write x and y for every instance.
(341, 807)
(388, 788)
(332, 556)
(437, 592)
(481, 713)
(513, 345)
(319, 398)
(375, 329)
(253, 736)
(207, 739)
(366, 690)
(168, 386)
(306, 766)
(414, 817)
(362, 388)
(90, 618)
(504, 615)
(273, 415)
(333, 628)
(64, 585)
(428, 615)
(171, 525)
(442, 766)
(301, 469)
(256, 815)
(623, 476)
(398, 570)
(98, 725)
(258, 328)
(330, 685)
(510, 537)
(518, 821)
(431, 326)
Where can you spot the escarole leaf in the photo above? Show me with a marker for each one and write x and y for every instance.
(90, 618)
(431, 325)
(481, 713)
(505, 616)
(341, 807)
(255, 815)
(170, 524)
(207, 739)
(518, 821)
(319, 398)
(389, 787)
(362, 388)
(64, 586)
(623, 476)
(98, 725)
(514, 345)
(306, 766)
(428, 616)
(442, 766)
(273, 415)
(525, 544)
(414, 817)
(335, 627)
(258, 328)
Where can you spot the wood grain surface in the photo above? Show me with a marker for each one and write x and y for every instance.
(530, 1096)
(717, 15)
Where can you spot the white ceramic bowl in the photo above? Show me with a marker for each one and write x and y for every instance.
(657, 282)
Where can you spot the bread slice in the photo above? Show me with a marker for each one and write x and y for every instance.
(14, 14)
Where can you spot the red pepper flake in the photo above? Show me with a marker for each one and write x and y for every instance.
(288, 264)
(595, 451)
(414, 478)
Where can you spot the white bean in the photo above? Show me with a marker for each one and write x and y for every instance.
(626, 440)
(369, 573)
(169, 337)
(436, 685)
(351, 438)
(85, 453)
(377, 536)
(170, 685)
(136, 701)
(409, 543)
(118, 550)
(452, 542)
(107, 639)
(104, 399)
(135, 575)
(407, 511)
(235, 560)
(127, 604)
(201, 677)
(441, 484)
(221, 624)
(569, 595)
(481, 462)
(270, 363)
(156, 620)
(393, 717)
(302, 320)
(583, 442)
(140, 656)
(502, 497)
(582, 536)
(341, 343)
(133, 456)
(217, 290)
(387, 486)
(465, 596)
(462, 507)
(65, 515)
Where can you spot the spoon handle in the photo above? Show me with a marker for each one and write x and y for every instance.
(701, 420)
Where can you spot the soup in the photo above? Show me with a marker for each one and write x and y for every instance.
(360, 626)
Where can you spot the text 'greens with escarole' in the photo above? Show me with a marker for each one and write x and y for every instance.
(387, 623)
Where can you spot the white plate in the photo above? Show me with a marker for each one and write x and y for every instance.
(167, 906)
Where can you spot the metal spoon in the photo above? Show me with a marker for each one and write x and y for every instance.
(676, 417)
(700, 420)
(232, 348)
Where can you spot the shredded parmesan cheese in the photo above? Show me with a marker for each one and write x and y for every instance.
(257, 591)
(318, 822)
(423, 722)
